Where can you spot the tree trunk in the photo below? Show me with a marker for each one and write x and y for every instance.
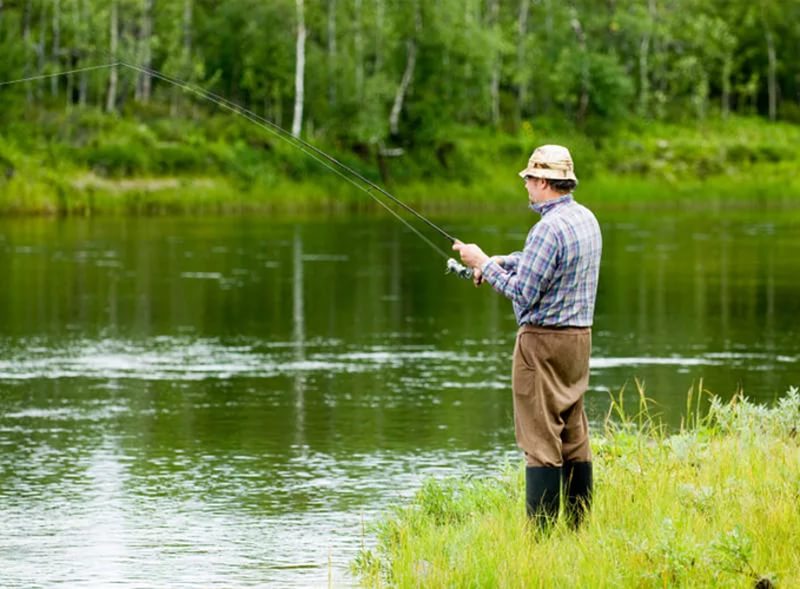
(583, 101)
(299, 70)
(185, 66)
(332, 77)
(145, 82)
(727, 68)
(187, 28)
(494, 82)
(522, 32)
(466, 27)
(408, 74)
(644, 59)
(40, 49)
(83, 85)
(26, 38)
(772, 86)
(549, 51)
(111, 98)
(379, 18)
(56, 44)
(358, 43)
(402, 89)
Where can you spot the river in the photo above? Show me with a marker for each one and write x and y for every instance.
(232, 401)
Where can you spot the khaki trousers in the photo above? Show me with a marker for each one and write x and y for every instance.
(550, 374)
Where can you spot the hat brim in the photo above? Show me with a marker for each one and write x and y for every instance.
(548, 174)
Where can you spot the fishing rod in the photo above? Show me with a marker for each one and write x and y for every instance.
(326, 160)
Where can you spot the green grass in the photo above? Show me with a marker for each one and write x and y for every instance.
(716, 504)
(85, 162)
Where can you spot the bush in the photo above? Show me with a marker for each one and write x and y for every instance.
(117, 159)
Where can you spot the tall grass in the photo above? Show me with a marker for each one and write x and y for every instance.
(716, 504)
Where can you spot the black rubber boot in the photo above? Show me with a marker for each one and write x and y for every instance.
(542, 494)
(577, 491)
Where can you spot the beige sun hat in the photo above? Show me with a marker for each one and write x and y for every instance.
(550, 161)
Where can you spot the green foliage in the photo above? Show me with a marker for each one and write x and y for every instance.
(474, 60)
(714, 505)
(490, 80)
(634, 165)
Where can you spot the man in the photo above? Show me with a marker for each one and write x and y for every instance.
(552, 283)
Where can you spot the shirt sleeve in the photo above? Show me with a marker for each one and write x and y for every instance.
(533, 271)
(510, 261)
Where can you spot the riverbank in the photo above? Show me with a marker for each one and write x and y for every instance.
(85, 162)
(715, 505)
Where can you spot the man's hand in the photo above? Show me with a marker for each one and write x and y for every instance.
(477, 276)
(471, 255)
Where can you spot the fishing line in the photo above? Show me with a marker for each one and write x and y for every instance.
(310, 150)
(323, 158)
(62, 73)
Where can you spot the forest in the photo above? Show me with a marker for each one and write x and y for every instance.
(378, 80)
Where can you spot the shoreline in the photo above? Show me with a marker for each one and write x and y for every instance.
(88, 163)
(711, 505)
(91, 195)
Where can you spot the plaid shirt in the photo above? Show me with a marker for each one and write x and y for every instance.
(553, 280)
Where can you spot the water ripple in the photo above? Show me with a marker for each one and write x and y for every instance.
(185, 359)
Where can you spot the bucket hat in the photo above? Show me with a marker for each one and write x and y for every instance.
(550, 161)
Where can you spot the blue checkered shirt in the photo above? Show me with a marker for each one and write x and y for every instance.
(552, 282)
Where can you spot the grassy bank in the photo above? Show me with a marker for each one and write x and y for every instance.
(84, 161)
(714, 505)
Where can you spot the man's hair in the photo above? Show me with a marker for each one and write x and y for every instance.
(561, 186)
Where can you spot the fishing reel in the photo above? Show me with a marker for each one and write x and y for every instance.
(454, 267)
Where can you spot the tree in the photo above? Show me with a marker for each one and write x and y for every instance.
(300, 70)
(111, 97)
(145, 82)
(408, 72)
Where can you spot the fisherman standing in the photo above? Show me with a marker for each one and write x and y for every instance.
(552, 283)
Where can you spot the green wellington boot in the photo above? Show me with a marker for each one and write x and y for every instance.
(542, 494)
(577, 491)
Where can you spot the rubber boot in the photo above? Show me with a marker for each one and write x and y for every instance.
(577, 491)
(542, 494)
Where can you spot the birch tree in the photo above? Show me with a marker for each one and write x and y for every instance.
(332, 49)
(144, 83)
(358, 45)
(26, 38)
(772, 66)
(299, 70)
(41, 47)
(56, 54)
(111, 98)
(185, 64)
(580, 35)
(408, 72)
(81, 28)
(379, 32)
(522, 36)
(494, 81)
(644, 58)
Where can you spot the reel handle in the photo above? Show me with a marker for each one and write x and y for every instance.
(454, 267)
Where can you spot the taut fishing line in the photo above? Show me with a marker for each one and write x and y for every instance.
(334, 165)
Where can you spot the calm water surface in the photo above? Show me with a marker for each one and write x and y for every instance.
(231, 402)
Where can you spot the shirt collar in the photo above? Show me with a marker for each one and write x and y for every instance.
(546, 206)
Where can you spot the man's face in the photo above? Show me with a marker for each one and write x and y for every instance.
(534, 186)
